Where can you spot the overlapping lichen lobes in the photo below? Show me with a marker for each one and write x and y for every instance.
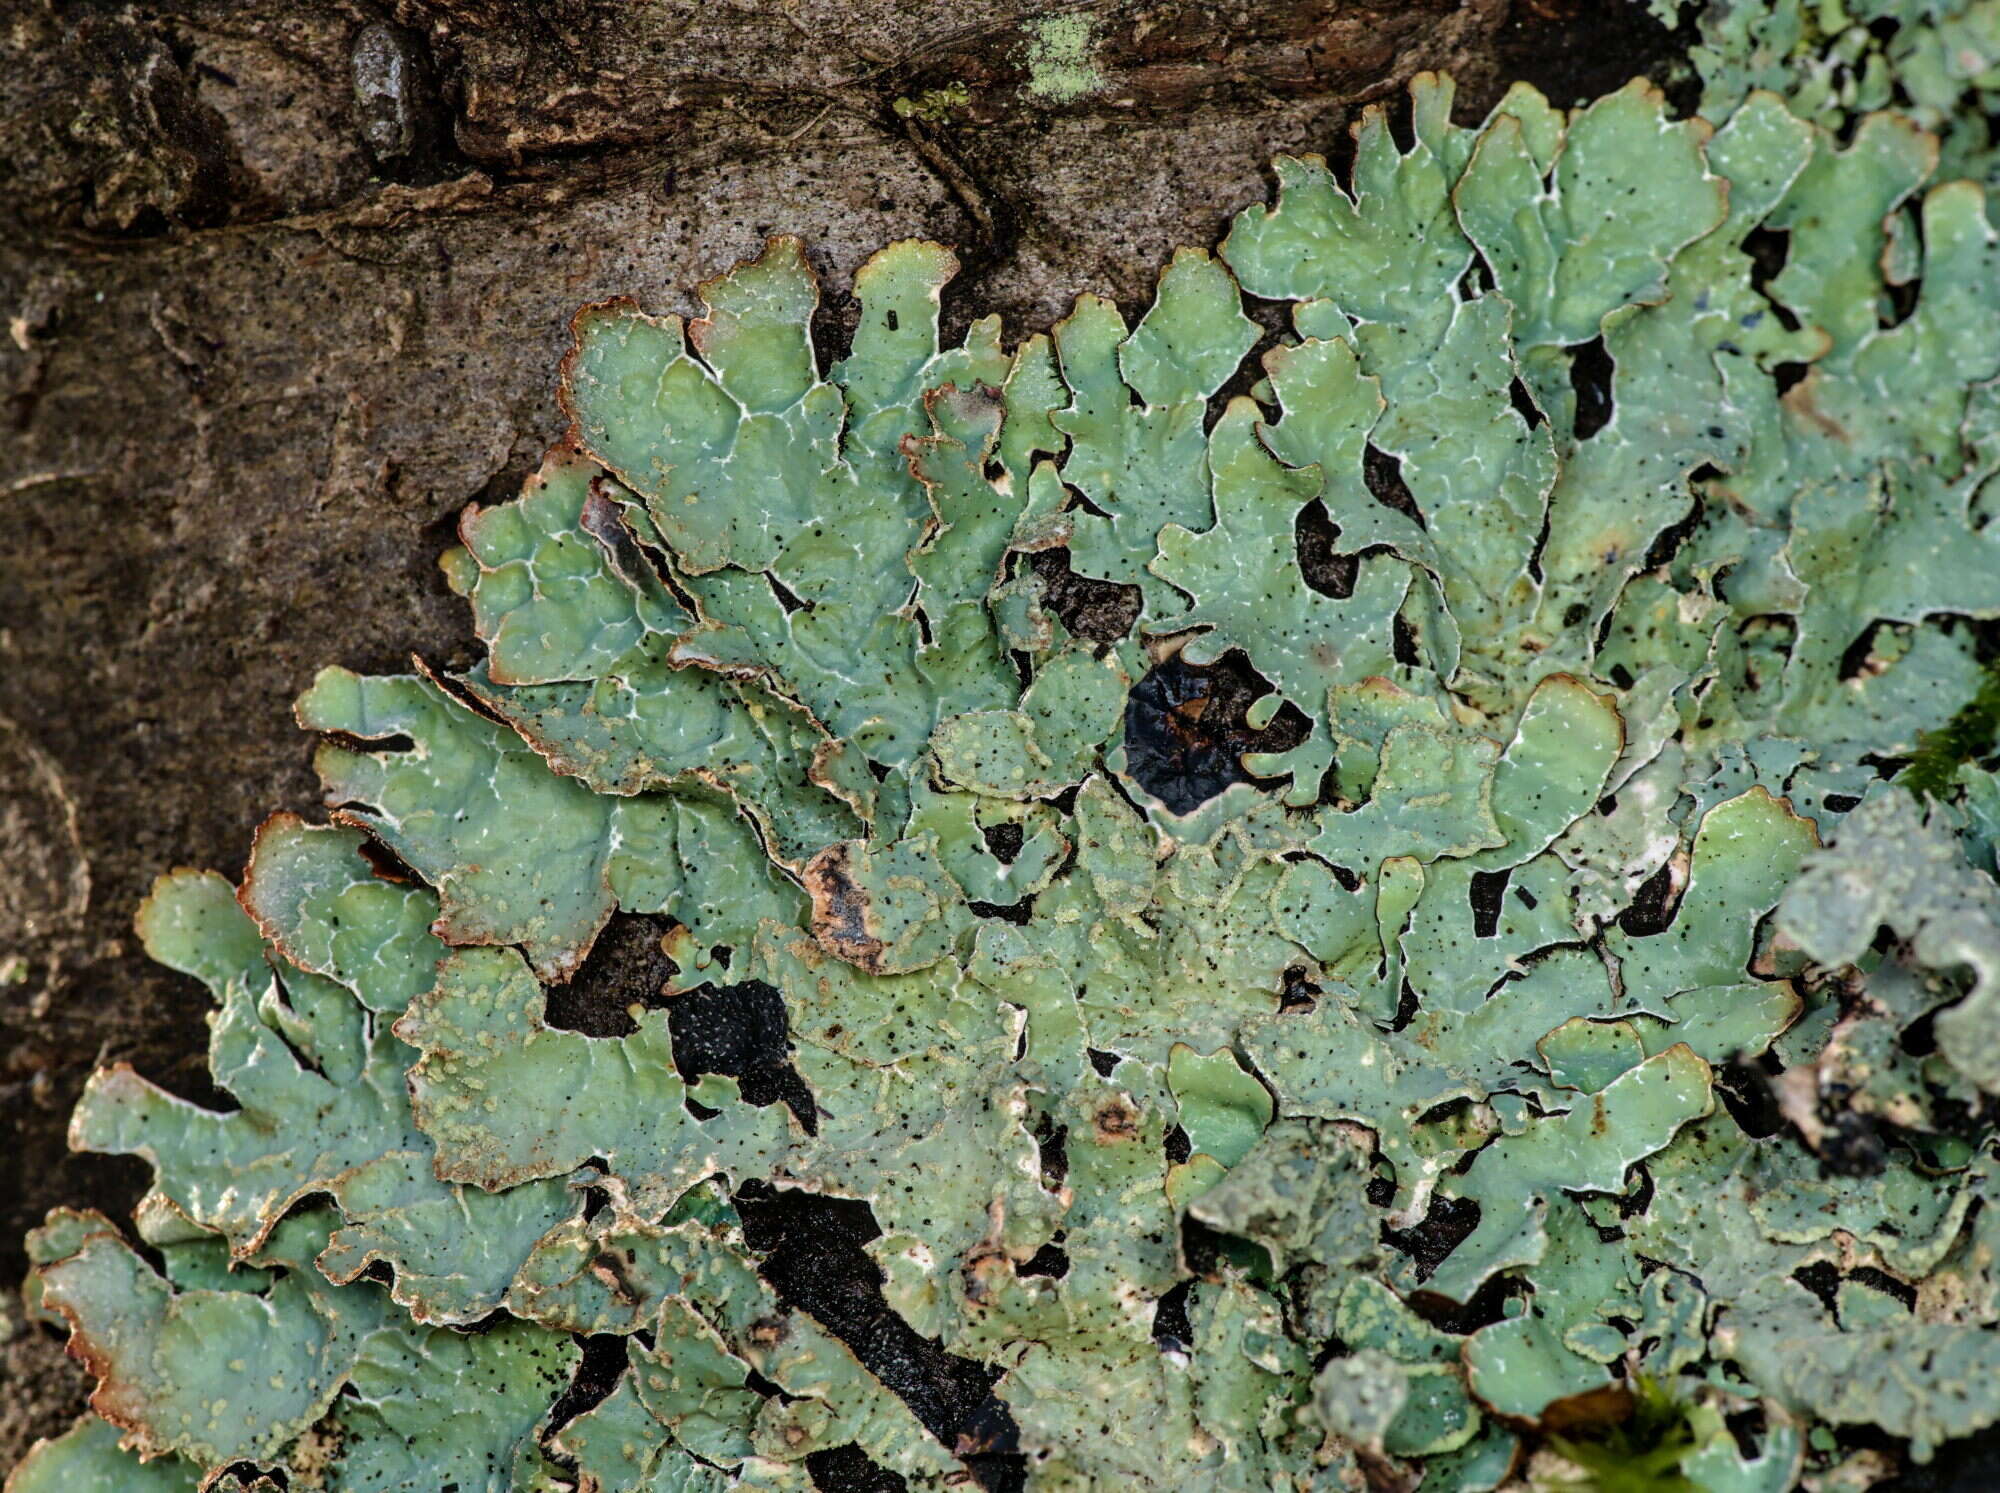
(1305, 939)
(1937, 61)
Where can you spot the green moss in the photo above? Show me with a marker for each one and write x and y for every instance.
(1966, 737)
(1644, 1453)
(934, 106)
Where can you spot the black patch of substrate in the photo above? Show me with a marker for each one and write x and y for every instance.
(1004, 841)
(1096, 610)
(1578, 50)
(1051, 1260)
(1171, 1328)
(814, 1259)
(1590, 374)
(1017, 913)
(1852, 1144)
(848, 1469)
(1969, 1465)
(625, 967)
(1745, 1090)
(1301, 992)
(1325, 568)
(1486, 1306)
(1448, 1224)
(597, 1374)
(1382, 474)
(1052, 1140)
(1487, 888)
(1653, 906)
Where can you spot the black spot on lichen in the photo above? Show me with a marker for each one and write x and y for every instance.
(1590, 375)
(1186, 732)
(741, 1031)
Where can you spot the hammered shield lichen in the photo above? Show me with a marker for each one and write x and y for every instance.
(1317, 938)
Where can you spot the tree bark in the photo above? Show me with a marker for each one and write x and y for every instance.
(286, 285)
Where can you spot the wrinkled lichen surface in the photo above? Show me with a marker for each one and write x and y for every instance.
(1164, 906)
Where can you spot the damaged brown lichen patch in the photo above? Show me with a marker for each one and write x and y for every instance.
(840, 908)
(1115, 1121)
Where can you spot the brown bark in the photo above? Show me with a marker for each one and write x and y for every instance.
(286, 283)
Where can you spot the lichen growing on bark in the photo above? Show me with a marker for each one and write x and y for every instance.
(1303, 920)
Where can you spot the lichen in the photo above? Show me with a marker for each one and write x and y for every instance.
(1355, 931)
(1937, 61)
(1061, 58)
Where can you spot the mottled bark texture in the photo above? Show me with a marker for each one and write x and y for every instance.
(285, 285)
